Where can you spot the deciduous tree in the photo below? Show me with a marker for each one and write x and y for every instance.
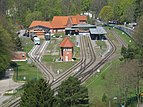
(106, 13)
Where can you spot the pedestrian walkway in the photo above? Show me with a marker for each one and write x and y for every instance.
(7, 84)
(141, 105)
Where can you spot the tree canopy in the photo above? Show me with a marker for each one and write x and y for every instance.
(71, 93)
(5, 41)
(106, 13)
(37, 94)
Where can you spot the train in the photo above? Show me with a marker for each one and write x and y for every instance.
(36, 40)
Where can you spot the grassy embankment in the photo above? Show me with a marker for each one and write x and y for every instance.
(101, 47)
(26, 71)
(97, 84)
(53, 54)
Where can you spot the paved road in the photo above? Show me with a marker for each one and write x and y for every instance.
(21, 33)
(7, 84)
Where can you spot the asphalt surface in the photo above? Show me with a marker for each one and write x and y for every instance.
(7, 84)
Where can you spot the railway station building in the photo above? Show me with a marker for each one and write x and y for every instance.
(58, 24)
(66, 51)
(95, 32)
(39, 28)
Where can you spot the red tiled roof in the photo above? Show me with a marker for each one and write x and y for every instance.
(59, 21)
(57, 24)
(66, 43)
(76, 19)
(40, 23)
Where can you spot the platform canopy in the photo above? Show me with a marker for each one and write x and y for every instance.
(84, 25)
(97, 30)
(71, 29)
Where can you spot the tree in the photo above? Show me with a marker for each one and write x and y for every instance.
(30, 16)
(139, 32)
(3, 7)
(5, 49)
(138, 9)
(104, 98)
(129, 80)
(37, 94)
(96, 6)
(129, 53)
(85, 6)
(106, 13)
(71, 93)
(123, 10)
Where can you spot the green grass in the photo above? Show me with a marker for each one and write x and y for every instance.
(125, 37)
(27, 44)
(53, 54)
(77, 52)
(54, 66)
(27, 71)
(102, 46)
(97, 84)
(76, 49)
(54, 45)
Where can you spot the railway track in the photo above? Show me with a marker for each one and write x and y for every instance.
(13, 103)
(87, 58)
(91, 56)
(93, 70)
(36, 55)
(88, 74)
(119, 38)
(83, 64)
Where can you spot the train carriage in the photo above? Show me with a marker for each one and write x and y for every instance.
(36, 40)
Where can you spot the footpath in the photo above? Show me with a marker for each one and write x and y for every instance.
(6, 84)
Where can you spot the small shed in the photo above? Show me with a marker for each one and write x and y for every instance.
(97, 33)
(66, 52)
(19, 56)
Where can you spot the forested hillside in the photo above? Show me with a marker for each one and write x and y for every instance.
(23, 12)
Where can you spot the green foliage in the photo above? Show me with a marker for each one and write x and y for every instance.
(21, 10)
(37, 94)
(30, 16)
(5, 48)
(104, 98)
(129, 53)
(71, 93)
(123, 10)
(106, 13)
(139, 32)
(138, 9)
(85, 5)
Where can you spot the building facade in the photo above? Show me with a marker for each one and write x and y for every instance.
(66, 52)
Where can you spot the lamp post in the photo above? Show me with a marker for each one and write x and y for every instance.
(16, 72)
